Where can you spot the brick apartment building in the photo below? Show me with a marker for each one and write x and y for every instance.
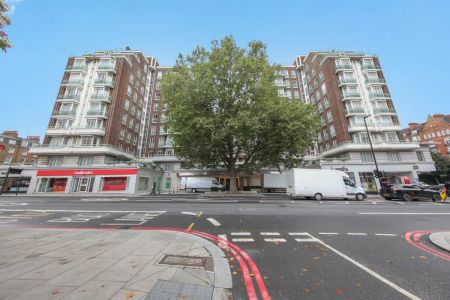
(435, 132)
(15, 150)
(110, 109)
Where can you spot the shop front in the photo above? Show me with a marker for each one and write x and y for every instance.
(123, 180)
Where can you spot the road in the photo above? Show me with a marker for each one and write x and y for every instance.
(304, 249)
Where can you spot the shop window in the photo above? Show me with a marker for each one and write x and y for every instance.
(47, 185)
(368, 181)
(114, 183)
(168, 183)
(143, 184)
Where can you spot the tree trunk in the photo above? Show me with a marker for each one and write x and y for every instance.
(232, 173)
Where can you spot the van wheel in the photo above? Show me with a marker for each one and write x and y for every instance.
(436, 197)
(318, 197)
(194, 190)
(359, 197)
(407, 197)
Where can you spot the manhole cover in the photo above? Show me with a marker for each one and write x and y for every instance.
(172, 290)
(189, 261)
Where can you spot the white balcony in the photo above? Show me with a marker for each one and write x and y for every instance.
(74, 131)
(102, 149)
(73, 82)
(108, 82)
(107, 68)
(351, 146)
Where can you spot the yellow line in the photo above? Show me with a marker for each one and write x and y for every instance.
(190, 226)
(200, 214)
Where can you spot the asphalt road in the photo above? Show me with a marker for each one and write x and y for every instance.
(303, 249)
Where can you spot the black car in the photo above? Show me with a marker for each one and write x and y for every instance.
(409, 192)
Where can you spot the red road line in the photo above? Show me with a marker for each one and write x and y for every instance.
(237, 252)
(413, 238)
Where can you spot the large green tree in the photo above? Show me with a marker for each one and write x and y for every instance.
(222, 105)
(4, 21)
(442, 173)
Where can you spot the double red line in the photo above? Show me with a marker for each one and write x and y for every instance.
(414, 239)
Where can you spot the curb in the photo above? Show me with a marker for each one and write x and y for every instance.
(441, 240)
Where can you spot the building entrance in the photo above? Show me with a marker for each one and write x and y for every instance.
(82, 184)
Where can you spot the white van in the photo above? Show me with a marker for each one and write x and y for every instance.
(201, 184)
(274, 182)
(320, 184)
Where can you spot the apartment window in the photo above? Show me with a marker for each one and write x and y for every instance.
(25, 144)
(85, 160)
(329, 116)
(127, 104)
(61, 123)
(91, 123)
(131, 123)
(420, 156)
(152, 141)
(55, 161)
(122, 133)
(319, 107)
(86, 140)
(129, 137)
(156, 107)
(12, 142)
(368, 62)
(391, 137)
(1, 139)
(11, 150)
(154, 118)
(129, 90)
(332, 131)
(124, 118)
(153, 130)
(327, 102)
(131, 80)
(324, 88)
(394, 156)
(366, 156)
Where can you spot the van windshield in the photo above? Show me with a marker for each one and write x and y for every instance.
(348, 182)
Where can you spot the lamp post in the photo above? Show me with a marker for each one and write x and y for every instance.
(371, 147)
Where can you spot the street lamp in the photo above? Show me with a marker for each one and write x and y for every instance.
(376, 172)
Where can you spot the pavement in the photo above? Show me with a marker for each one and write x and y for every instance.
(58, 263)
(441, 239)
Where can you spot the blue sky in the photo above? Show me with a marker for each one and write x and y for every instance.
(412, 39)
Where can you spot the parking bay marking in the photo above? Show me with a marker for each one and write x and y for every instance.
(135, 218)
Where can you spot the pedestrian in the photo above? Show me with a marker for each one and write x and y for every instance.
(153, 189)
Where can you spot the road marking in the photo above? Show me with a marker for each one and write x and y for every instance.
(401, 203)
(12, 204)
(77, 210)
(79, 218)
(200, 214)
(328, 233)
(240, 233)
(386, 234)
(189, 213)
(269, 233)
(374, 202)
(298, 233)
(138, 217)
(376, 275)
(243, 240)
(261, 201)
(190, 226)
(356, 233)
(101, 199)
(275, 240)
(307, 240)
(404, 213)
(346, 202)
(213, 221)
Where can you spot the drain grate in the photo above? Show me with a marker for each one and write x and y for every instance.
(179, 260)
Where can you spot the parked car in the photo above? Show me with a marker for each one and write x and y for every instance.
(409, 192)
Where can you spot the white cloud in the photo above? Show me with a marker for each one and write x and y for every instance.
(12, 5)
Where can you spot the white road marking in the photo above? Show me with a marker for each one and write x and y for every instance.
(240, 233)
(356, 233)
(79, 218)
(275, 240)
(261, 201)
(404, 213)
(346, 202)
(77, 210)
(374, 202)
(213, 221)
(13, 204)
(102, 199)
(386, 234)
(243, 240)
(376, 275)
(138, 217)
(321, 202)
(401, 203)
(189, 213)
(328, 233)
(299, 233)
(307, 240)
(269, 233)
(222, 244)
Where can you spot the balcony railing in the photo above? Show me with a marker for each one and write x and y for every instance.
(82, 68)
(64, 113)
(375, 80)
(107, 67)
(350, 95)
(378, 95)
(369, 67)
(102, 97)
(343, 81)
(351, 111)
(108, 82)
(341, 67)
(69, 97)
(79, 82)
(383, 110)
(99, 113)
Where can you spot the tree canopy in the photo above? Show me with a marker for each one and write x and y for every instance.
(4, 21)
(223, 110)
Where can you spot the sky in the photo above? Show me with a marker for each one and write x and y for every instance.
(411, 38)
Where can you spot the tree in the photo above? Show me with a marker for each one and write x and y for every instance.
(223, 105)
(442, 173)
(4, 21)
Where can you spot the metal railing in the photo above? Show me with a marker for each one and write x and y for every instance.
(68, 113)
(82, 67)
(347, 81)
(109, 82)
(369, 67)
(75, 97)
(383, 110)
(351, 95)
(375, 80)
(355, 111)
(74, 81)
(379, 95)
(105, 97)
(341, 67)
(102, 113)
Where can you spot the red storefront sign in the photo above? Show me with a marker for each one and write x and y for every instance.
(92, 172)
